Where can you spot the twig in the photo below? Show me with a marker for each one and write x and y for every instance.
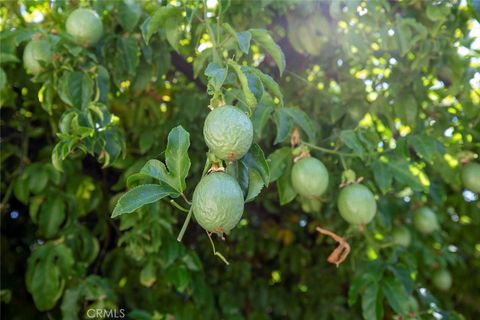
(185, 225)
(341, 252)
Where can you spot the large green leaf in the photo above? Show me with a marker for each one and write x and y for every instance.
(129, 13)
(278, 162)
(76, 89)
(160, 19)
(48, 267)
(301, 119)
(255, 159)
(382, 174)
(396, 295)
(140, 196)
(264, 40)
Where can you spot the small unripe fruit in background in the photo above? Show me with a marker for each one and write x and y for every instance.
(218, 202)
(228, 133)
(425, 220)
(471, 177)
(357, 204)
(442, 279)
(36, 52)
(401, 236)
(309, 177)
(85, 26)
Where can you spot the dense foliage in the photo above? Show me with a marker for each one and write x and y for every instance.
(369, 110)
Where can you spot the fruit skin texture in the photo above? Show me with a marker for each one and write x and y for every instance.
(471, 177)
(309, 177)
(85, 26)
(357, 204)
(401, 236)
(218, 202)
(425, 220)
(442, 279)
(228, 132)
(35, 51)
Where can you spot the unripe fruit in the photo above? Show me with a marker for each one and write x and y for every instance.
(309, 177)
(228, 132)
(85, 26)
(442, 279)
(218, 202)
(36, 51)
(401, 236)
(425, 220)
(357, 204)
(471, 177)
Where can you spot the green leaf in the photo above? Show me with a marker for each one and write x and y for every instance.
(406, 109)
(140, 196)
(70, 303)
(351, 140)
(173, 31)
(3, 79)
(176, 156)
(382, 174)
(216, 75)
(302, 120)
(103, 83)
(370, 303)
(152, 24)
(130, 53)
(270, 84)
(129, 13)
(260, 118)
(47, 269)
(52, 216)
(8, 57)
(425, 146)
(250, 99)
(284, 125)
(396, 295)
(243, 38)
(401, 172)
(254, 83)
(264, 40)
(76, 89)
(255, 159)
(21, 190)
(255, 185)
(286, 193)
(278, 162)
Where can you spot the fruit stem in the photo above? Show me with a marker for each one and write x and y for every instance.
(185, 198)
(185, 225)
(312, 146)
(176, 205)
(215, 252)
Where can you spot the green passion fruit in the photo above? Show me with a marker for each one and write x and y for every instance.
(218, 202)
(85, 26)
(401, 236)
(442, 279)
(471, 177)
(36, 52)
(357, 204)
(228, 132)
(309, 177)
(425, 220)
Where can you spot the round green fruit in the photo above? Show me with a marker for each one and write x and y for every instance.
(357, 204)
(401, 236)
(471, 177)
(442, 279)
(228, 132)
(309, 177)
(425, 220)
(85, 26)
(35, 52)
(218, 202)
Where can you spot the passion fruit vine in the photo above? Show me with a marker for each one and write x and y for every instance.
(85, 26)
(309, 177)
(218, 202)
(228, 133)
(36, 52)
(357, 204)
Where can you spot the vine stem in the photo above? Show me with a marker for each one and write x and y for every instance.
(185, 225)
(315, 147)
(215, 252)
(185, 198)
(176, 205)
